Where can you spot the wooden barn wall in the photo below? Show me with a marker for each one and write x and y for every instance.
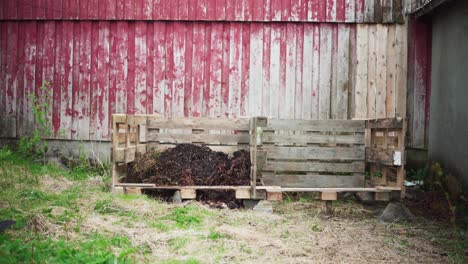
(285, 70)
(374, 11)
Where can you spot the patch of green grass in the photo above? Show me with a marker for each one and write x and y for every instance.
(107, 206)
(161, 225)
(177, 243)
(187, 216)
(187, 261)
(96, 249)
(214, 235)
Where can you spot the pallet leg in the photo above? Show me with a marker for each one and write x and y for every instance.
(188, 194)
(132, 191)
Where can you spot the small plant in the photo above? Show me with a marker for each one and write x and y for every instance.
(5, 153)
(417, 175)
(186, 216)
(35, 147)
(107, 207)
(214, 235)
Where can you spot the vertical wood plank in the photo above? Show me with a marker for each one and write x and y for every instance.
(160, 70)
(387, 14)
(66, 104)
(245, 68)
(147, 12)
(29, 73)
(198, 69)
(21, 99)
(220, 12)
(325, 70)
(188, 69)
(3, 60)
(372, 72)
(56, 108)
(340, 10)
(83, 8)
(48, 62)
(121, 66)
(315, 72)
(140, 65)
(362, 52)
(83, 100)
(20, 119)
(282, 64)
(266, 55)
(150, 54)
(360, 9)
(179, 70)
(103, 68)
(257, 10)
(381, 74)
(275, 69)
(276, 10)
(75, 79)
(255, 83)
(401, 70)
(183, 10)
(299, 89)
(225, 72)
(216, 60)
(342, 78)
(350, 11)
(369, 10)
(307, 70)
(391, 71)
(206, 70)
(235, 51)
(331, 10)
(168, 93)
(131, 69)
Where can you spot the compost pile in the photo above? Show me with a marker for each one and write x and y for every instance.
(188, 164)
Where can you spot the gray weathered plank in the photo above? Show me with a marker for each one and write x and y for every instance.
(197, 138)
(313, 139)
(316, 125)
(314, 181)
(357, 166)
(199, 123)
(315, 153)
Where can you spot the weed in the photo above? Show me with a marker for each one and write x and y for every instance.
(177, 243)
(35, 147)
(187, 216)
(5, 153)
(96, 249)
(160, 226)
(214, 235)
(187, 261)
(106, 206)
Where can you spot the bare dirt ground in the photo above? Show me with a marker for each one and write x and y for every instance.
(297, 231)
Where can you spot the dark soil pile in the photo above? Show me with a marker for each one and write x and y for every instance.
(188, 164)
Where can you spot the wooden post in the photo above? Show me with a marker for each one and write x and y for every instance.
(253, 156)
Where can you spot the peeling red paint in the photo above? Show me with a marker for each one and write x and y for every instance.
(184, 10)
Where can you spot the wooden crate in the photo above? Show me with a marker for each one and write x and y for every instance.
(327, 156)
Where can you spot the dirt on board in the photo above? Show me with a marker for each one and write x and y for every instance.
(188, 164)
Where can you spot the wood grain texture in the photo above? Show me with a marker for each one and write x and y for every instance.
(209, 69)
(388, 11)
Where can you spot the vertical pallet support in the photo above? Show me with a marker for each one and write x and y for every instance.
(126, 131)
(253, 156)
(386, 156)
(256, 155)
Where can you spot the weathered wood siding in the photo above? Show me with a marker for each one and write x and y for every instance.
(284, 70)
(373, 11)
